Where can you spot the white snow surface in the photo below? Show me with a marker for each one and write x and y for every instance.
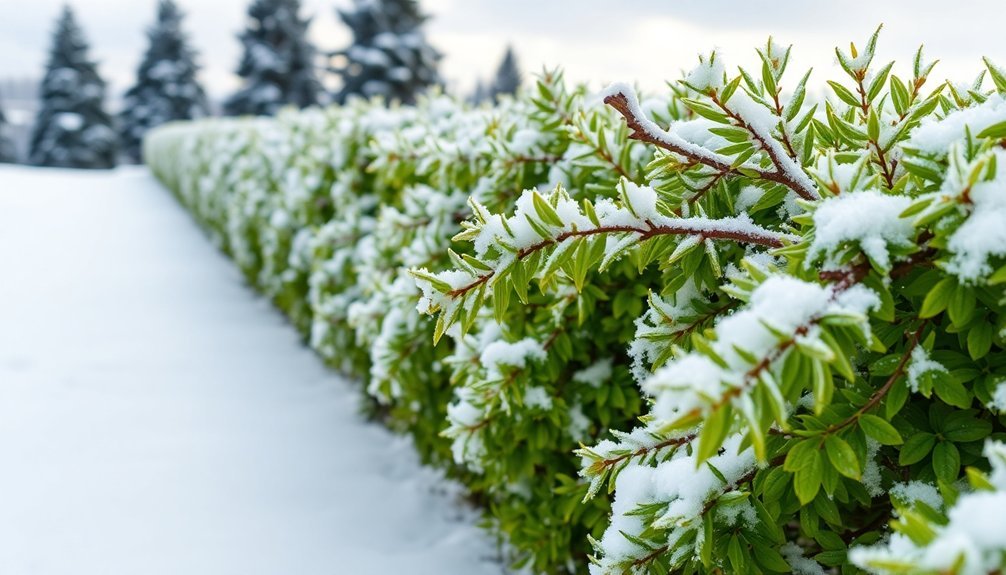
(157, 417)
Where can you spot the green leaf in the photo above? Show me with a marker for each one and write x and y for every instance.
(768, 79)
(873, 126)
(729, 89)
(946, 461)
(916, 448)
(877, 84)
(842, 456)
(980, 339)
(998, 277)
(545, 211)
(961, 429)
(501, 300)
(714, 431)
(896, 398)
(824, 386)
(705, 111)
(998, 77)
(736, 555)
(950, 390)
(880, 430)
(800, 455)
(840, 360)
(995, 131)
(807, 481)
(706, 552)
(938, 298)
(437, 283)
(770, 559)
(796, 100)
(979, 480)
(961, 306)
(899, 95)
(844, 94)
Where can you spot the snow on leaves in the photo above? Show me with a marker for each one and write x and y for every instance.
(808, 295)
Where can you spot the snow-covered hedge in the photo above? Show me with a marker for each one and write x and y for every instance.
(326, 211)
(789, 314)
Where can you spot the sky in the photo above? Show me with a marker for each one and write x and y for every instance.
(595, 41)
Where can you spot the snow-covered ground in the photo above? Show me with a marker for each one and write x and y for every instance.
(156, 417)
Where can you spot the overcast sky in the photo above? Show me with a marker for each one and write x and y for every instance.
(647, 41)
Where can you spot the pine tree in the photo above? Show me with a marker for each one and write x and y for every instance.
(479, 93)
(166, 88)
(508, 76)
(278, 62)
(389, 55)
(8, 154)
(72, 129)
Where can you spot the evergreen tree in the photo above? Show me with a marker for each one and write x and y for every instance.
(278, 61)
(389, 55)
(479, 94)
(8, 154)
(72, 129)
(508, 76)
(166, 88)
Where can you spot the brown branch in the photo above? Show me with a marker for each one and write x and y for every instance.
(865, 105)
(763, 238)
(785, 137)
(780, 175)
(620, 102)
(676, 442)
(640, 131)
(880, 393)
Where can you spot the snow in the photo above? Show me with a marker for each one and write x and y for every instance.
(642, 201)
(801, 565)
(748, 197)
(708, 74)
(684, 486)
(917, 491)
(982, 236)
(633, 486)
(935, 135)
(869, 218)
(69, 121)
(762, 122)
(919, 365)
(971, 543)
(536, 396)
(658, 133)
(500, 353)
(780, 303)
(156, 417)
(998, 402)
(759, 119)
(596, 374)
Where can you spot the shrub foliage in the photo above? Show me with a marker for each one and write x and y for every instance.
(727, 330)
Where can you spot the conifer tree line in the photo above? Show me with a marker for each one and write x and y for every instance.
(388, 57)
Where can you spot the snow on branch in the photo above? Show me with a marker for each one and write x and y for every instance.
(557, 221)
(623, 99)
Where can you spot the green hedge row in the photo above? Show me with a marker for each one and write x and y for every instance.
(789, 313)
(326, 210)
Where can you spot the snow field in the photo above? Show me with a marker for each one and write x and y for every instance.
(157, 417)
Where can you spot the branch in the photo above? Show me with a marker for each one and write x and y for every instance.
(787, 172)
(643, 451)
(880, 393)
(726, 229)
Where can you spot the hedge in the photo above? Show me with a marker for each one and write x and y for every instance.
(789, 313)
